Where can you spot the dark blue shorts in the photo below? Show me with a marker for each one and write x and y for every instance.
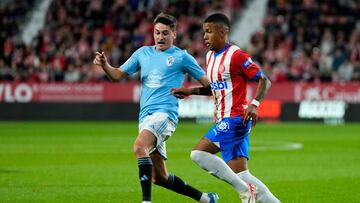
(232, 137)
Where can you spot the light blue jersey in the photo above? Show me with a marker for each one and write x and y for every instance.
(160, 72)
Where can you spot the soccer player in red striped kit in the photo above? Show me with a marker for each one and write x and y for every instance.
(228, 70)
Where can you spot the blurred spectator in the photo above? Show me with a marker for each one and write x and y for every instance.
(75, 29)
(303, 40)
(309, 40)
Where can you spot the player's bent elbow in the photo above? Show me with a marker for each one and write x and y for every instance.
(120, 76)
(112, 79)
(268, 82)
(116, 78)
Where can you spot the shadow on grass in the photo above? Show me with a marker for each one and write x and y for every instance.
(7, 170)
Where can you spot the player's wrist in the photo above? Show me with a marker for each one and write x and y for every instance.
(102, 65)
(193, 91)
(255, 103)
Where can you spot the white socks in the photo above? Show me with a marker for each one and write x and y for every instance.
(217, 167)
(204, 198)
(263, 193)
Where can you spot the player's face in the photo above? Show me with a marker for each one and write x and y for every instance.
(214, 36)
(163, 36)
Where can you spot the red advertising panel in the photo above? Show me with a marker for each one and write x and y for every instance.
(129, 92)
(297, 92)
(270, 109)
(69, 92)
(349, 93)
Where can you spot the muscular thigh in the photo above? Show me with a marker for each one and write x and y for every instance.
(161, 127)
(206, 145)
(146, 139)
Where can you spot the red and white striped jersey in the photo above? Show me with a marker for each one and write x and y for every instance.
(228, 72)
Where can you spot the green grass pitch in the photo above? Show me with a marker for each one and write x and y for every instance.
(94, 162)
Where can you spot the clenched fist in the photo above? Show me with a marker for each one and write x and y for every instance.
(100, 59)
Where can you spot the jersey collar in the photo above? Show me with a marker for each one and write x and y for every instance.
(222, 50)
(170, 49)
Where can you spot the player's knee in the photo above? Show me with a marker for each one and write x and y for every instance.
(195, 155)
(139, 151)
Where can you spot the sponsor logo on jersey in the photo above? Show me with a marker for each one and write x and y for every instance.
(219, 85)
(170, 60)
(248, 62)
(153, 80)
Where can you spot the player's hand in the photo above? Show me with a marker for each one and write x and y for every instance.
(251, 114)
(100, 59)
(181, 92)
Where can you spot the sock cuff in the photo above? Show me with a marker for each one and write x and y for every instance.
(144, 161)
(243, 172)
(171, 179)
(195, 151)
(196, 155)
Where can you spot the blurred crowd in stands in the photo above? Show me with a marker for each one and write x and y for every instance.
(310, 40)
(302, 40)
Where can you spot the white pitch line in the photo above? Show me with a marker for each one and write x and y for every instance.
(271, 146)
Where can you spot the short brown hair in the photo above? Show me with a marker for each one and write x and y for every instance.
(166, 19)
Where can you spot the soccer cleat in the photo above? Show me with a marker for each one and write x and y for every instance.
(249, 196)
(252, 188)
(213, 197)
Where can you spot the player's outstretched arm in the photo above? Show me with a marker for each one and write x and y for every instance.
(264, 85)
(114, 74)
(183, 92)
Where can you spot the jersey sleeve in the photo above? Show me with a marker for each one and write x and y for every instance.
(191, 66)
(246, 65)
(132, 65)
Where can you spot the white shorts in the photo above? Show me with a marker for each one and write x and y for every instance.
(162, 127)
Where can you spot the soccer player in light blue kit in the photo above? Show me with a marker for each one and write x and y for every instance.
(162, 68)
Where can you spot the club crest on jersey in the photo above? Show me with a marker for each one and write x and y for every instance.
(170, 60)
(248, 62)
(219, 85)
(223, 126)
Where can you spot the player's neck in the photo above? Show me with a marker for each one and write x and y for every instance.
(163, 50)
(222, 47)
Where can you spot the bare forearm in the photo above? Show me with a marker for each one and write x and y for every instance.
(183, 92)
(263, 87)
(113, 73)
(201, 91)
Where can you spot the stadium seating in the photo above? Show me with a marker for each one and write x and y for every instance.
(301, 40)
(12, 13)
(310, 41)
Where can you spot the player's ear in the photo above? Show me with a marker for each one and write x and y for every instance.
(223, 31)
(174, 34)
